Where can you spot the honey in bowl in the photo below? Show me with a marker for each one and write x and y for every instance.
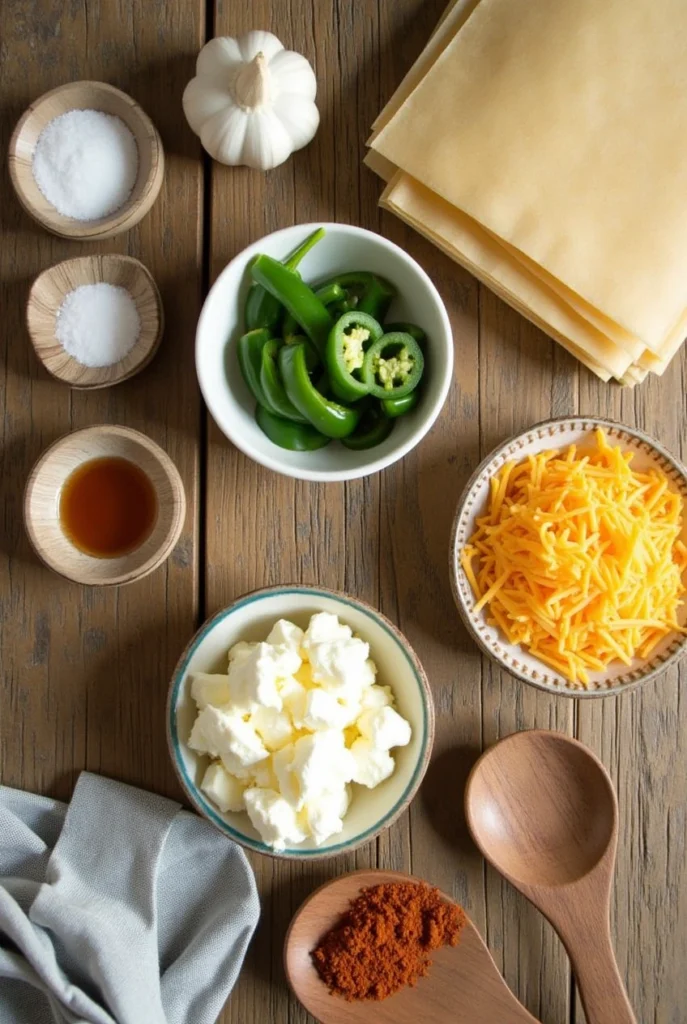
(108, 507)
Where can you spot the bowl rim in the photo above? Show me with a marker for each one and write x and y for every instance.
(158, 557)
(380, 463)
(114, 257)
(638, 676)
(207, 810)
(127, 215)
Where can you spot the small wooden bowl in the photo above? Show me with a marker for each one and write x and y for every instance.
(47, 294)
(86, 96)
(41, 505)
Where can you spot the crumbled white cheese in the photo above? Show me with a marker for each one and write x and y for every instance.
(241, 650)
(225, 735)
(372, 766)
(286, 634)
(274, 727)
(296, 719)
(324, 815)
(321, 764)
(253, 677)
(384, 728)
(273, 817)
(323, 711)
(375, 697)
(340, 666)
(210, 689)
(324, 627)
(225, 790)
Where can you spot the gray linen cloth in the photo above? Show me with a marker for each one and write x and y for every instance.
(118, 909)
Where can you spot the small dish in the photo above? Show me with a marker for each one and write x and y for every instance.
(86, 96)
(47, 295)
(250, 618)
(344, 247)
(517, 660)
(41, 505)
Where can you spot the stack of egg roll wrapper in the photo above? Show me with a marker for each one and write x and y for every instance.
(542, 144)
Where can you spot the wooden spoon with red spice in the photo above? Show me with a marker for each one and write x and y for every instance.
(463, 985)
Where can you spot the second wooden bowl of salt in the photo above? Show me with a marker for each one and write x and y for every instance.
(47, 297)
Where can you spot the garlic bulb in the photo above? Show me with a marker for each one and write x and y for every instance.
(252, 102)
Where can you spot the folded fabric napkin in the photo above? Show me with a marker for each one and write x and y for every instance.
(555, 173)
(117, 909)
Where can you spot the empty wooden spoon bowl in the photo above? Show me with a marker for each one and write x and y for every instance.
(463, 985)
(542, 808)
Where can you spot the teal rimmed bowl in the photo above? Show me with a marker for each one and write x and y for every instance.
(250, 618)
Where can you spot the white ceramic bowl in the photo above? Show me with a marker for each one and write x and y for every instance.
(515, 659)
(343, 248)
(251, 618)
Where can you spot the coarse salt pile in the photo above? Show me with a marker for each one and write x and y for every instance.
(98, 324)
(85, 164)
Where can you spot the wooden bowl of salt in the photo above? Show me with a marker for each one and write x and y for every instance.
(86, 161)
(95, 320)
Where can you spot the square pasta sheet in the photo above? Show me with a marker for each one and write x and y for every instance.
(567, 236)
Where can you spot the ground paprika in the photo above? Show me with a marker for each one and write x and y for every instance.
(384, 939)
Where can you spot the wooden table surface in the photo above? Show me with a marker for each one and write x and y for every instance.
(84, 673)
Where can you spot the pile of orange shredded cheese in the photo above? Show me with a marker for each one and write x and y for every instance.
(579, 558)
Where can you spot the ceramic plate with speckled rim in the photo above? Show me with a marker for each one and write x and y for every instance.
(250, 618)
(515, 659)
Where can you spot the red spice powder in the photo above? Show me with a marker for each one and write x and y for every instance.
(383, 940)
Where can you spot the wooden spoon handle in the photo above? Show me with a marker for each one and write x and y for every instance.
(602, 991)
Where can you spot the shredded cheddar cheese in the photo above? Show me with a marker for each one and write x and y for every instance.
(579, 558)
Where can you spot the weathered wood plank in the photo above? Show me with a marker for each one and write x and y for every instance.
(524, 378)
(642, 739)
(85, 672)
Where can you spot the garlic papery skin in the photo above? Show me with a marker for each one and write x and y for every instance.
(252, 102)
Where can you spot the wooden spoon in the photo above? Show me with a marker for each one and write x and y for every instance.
(542, 808)
(463, 985)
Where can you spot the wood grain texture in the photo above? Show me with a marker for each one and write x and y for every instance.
(84, 672)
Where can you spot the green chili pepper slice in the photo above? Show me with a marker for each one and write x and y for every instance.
(393, 366)
(328, 417)
(373, 428)
(296, 437)
(405, 328)
(348, 339)
(329, 295)
(250, 348)
(272, 386)
(365, 291)
(298, 299)
(395, 407)
(263, 309)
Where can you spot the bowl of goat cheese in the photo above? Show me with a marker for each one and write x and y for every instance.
(300, 722)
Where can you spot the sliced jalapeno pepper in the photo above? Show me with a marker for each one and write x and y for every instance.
(296, 437)
(272, 386)
(393, 366)
(348, 339)
(373, 428)
(395, 407)
(297, 298)
(250, 348)
(330, 294)
(328, 417)
(262, 308)
(412, 329)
